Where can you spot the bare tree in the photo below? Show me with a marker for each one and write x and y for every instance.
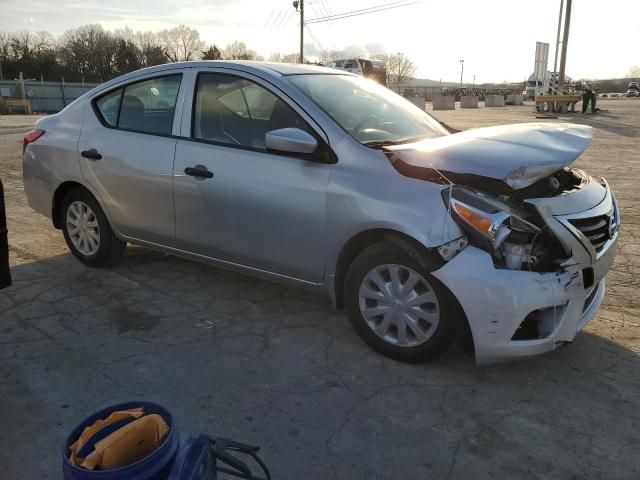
(20, 45)
(90, 51)
(150, 49)
(329, 55)
(284, 58)
(212, 54)
(181, 43)
(5, 46)
(400, 68)
(634, 72)
(238, 51)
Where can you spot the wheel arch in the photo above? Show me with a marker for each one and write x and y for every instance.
(61, 192)
(58, 197)
(426, 257)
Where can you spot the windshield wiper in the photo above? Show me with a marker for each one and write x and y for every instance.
(389, 143)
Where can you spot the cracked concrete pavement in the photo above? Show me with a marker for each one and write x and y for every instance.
(262, 363)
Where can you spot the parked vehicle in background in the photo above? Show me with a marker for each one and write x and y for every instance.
(633, 90)
(374, 69)
(326, 180)
(536, 85)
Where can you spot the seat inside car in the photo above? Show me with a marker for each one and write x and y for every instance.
(209, 118)
(132, 113)
(283, 117)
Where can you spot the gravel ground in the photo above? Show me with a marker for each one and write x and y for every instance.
(271, 365)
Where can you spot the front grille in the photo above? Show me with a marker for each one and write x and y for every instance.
(596, 229)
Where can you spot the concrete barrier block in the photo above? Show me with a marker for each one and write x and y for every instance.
(515, 99)
(494, 101)
(444, 102)
(417, 101)
(468, 101)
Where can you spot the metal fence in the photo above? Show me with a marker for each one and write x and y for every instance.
(45, 97)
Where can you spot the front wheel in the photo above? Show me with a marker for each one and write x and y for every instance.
(397, 307)
(87, 231)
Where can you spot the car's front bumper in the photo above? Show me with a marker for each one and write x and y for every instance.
(497, 301)
(560, 304)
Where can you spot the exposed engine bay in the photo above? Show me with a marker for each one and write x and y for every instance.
(516, 235)
(498, 179)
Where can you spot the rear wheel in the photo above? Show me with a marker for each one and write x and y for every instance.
(87, 231)
(397, 307)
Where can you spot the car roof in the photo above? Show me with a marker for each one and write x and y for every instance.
(272, 69)
(264, 67)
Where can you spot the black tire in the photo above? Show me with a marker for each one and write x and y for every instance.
(110, 248)
(446, 331)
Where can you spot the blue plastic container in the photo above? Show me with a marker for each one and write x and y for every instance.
(155, 466)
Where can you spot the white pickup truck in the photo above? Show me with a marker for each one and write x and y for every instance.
(374, 69)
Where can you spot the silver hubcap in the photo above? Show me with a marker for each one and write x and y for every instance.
(82, 227)
(399, 305)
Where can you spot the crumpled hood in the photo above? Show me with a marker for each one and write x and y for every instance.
(518, 154)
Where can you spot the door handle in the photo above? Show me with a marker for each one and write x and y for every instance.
(198, 171)
(91, 154)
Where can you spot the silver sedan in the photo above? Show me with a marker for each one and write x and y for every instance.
(326, 180)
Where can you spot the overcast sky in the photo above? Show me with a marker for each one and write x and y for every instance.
(496, 38)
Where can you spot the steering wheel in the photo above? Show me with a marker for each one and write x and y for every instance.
(365, 122)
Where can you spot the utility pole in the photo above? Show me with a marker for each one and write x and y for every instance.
(461, 71)
(555, 59)
(565, 40)
(300, 4)
(474, 80)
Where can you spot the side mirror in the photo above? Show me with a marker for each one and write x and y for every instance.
(291, 140)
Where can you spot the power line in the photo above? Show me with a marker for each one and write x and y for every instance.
(268, 18)
(276, 18)
(289, 17)
(363, 11)
(324, 11)
(327, 8)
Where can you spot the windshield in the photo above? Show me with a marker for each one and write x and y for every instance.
(369, 112)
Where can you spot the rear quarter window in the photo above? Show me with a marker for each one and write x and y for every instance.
(109, 106)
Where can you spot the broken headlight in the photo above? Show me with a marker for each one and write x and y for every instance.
(493, 225)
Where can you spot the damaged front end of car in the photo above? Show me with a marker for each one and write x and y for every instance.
(537, 246)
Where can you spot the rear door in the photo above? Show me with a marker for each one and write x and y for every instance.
(126, 149)
(254, 208)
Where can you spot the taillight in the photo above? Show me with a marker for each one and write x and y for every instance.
(31, 137)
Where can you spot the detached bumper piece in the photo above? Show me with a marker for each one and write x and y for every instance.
(5, 274)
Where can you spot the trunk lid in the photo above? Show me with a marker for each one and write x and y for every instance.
(518, 155)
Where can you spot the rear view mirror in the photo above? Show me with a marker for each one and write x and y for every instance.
(290, 140)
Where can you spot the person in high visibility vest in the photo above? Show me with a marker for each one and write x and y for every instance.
(588, 95)
(5, 274)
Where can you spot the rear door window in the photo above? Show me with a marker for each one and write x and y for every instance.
(147, 106)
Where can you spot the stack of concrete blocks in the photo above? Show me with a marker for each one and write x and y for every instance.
(444, 102)
(494, 101)
(417, 101)
(468, 101)
(515, 99)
